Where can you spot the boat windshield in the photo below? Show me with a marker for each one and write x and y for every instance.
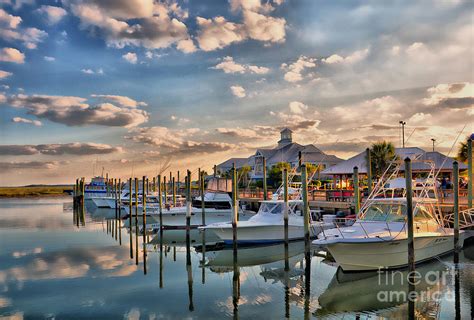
(390, 212)
(274, 208)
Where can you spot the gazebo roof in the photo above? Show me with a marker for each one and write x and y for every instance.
(359, 160)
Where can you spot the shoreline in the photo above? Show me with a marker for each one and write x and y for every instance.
(34, 192)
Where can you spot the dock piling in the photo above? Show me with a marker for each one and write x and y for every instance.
(188, 200)
(203, 203)
(306, 212)
(136, 221)
(369, 171)
(469, 174)
(456, 204)
(356, 190)
(130, 212)
(265, 191)
(409, 194)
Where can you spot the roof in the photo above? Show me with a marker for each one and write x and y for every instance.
(239, 162)
(359, 161)
(286, 130)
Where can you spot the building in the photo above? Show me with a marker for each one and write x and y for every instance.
(285, 151)
(444, 164)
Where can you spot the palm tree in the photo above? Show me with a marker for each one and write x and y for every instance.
(381, 154)
(462, 151)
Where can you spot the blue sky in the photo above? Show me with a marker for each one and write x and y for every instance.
(132, 83)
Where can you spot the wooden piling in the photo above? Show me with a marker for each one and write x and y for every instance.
(469, 173)
(265, 191)
(188, 200)
(285, 218)
(456, 204)
(215, 171)
(165, 191)
(235, 209)
(178, 182)
(409, 195)
(119, 193)
(356, 190)
(306, 212)
(144, 210)
(107, 184)
(203, 203)
(173, 185)
(114, 188)
(136, 221)
(130, 213)
(369, 171)
(154, 185)
(160, 202)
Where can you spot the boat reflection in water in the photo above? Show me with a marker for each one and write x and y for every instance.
(386, 293)
(177, 238)
(257, 255)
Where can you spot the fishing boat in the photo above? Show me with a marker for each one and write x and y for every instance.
(175, 216)
(97, 188)
(378, 239)
(267, 226)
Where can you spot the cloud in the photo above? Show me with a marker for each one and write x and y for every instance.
(9, 21)
(53, 14)
(36, 165)
(4, 74)
(23, 120)
(217, 33)
(355, 57)
(130, 57)
(176, 142)
(228, 65)
(180, 121)
(99, 71)
(295, 70)
(186, 46)
(264, 28)
(74, 148)
(11, 31)
(121, 100)
(238, 91)
(74, 111)
(297, 107)
(455, 95)
(141, 23)
(50, 59)
(12, 55)
(238, 132)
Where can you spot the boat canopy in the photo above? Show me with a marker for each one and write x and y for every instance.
(395, 210)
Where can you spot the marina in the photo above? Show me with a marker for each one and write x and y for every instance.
(236, 159)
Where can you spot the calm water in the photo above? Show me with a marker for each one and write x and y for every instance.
(50, 268)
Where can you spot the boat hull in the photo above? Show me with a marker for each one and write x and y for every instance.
(261, 234)
(177, 219)
(375, 255)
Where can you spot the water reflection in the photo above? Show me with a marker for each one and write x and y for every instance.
(51, 268)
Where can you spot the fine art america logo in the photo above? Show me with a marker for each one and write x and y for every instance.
(400, 287)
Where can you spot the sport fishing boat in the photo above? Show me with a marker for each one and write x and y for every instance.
(97, 188)
(378, 238)
(267, 226)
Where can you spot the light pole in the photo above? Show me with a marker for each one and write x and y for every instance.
(403, 123)
(433, 139)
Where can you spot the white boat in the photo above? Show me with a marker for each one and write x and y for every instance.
(267, 226)
(378, 239)
(97, 188)
(175, 217)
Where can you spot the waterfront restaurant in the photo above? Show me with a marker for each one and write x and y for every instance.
(285, 151)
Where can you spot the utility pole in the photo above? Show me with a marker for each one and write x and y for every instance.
(403, 123)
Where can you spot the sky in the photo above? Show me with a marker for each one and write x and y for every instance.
(135, 86)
